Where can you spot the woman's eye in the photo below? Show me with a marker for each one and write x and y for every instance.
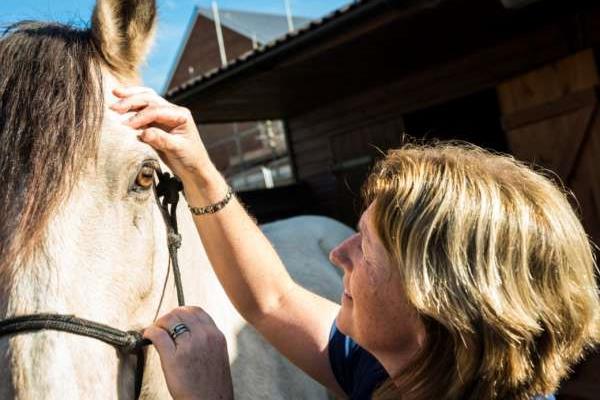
(145, 178)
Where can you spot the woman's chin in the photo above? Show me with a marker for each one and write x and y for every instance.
(342, 322)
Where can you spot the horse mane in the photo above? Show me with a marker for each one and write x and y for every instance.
(51, 107)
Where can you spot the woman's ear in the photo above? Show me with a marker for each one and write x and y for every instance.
(123, 31)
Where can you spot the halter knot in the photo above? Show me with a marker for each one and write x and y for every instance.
(174, 239)
(134, 342)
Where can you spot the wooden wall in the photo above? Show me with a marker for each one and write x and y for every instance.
(334, 147)
(551, 118)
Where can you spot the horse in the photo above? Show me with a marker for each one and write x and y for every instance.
(82, 234)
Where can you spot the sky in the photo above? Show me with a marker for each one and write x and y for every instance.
(174, 17)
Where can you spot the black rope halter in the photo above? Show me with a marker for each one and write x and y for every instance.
(126, 342)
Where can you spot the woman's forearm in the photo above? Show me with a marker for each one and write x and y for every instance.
(244, 260)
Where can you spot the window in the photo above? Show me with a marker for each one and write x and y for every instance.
(251, 155)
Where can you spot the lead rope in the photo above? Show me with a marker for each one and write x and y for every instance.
(127, 342)
(168, 188)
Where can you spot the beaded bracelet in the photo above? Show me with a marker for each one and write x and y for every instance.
(213, 208)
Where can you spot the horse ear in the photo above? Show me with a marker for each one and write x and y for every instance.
(123, 31)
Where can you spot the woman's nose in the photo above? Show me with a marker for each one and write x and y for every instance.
(340, 256)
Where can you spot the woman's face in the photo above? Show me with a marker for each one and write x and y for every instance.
(374, 312)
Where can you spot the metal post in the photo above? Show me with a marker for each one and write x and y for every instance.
(217, 19)
(268, 177)
(288, 12)
(238, 147)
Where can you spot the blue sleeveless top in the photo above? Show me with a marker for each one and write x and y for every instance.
(355, 369)
(358, 373)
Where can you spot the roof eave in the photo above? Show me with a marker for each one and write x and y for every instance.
(182, 46)
(295, 41)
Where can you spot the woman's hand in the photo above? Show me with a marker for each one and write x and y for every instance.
(195, 363)
(169, 129)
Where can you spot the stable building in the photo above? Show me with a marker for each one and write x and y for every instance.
(517, 76)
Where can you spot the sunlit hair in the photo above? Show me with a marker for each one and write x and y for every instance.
(495, 261)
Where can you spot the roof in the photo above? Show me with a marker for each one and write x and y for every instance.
(260, 26)
(377, 48)
(356, 7)
(348, 14)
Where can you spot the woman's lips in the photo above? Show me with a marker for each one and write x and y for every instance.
(346, 294)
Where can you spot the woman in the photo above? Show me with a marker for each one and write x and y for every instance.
(470, 277)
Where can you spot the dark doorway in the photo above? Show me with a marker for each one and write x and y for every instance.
(474, 119)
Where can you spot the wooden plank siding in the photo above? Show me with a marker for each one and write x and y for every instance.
(334, 135)
(335, 146)
(552, 118)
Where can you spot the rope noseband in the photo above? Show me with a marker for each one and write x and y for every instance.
(126, 342)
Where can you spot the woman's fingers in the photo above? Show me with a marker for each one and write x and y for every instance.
(166, 117)
(195, 363)
(169, 129)
(171, 319)
(136, 98)
(138, 102)
(126, 91)
(161, 339)
(158, 139)
(201, 329)
(192, 317)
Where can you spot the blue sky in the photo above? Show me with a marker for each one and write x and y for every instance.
(174, 16)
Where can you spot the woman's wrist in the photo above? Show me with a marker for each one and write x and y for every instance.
(207, 188)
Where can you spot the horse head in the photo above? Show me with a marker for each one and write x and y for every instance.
(80, 233)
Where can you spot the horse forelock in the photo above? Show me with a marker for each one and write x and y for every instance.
(51, 108)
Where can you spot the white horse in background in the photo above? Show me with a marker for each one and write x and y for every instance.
(81, 233)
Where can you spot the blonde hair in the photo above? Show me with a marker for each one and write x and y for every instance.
(495, 261)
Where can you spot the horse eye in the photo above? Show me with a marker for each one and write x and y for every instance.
(145, 178)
